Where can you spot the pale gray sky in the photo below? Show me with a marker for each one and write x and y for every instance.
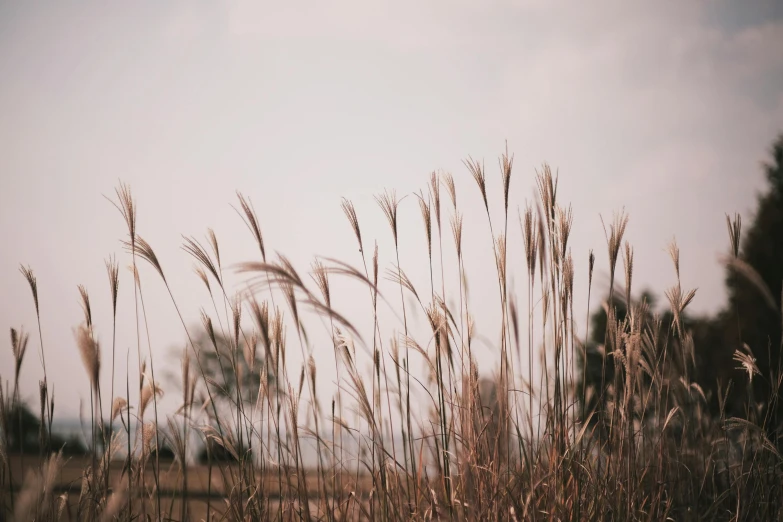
(665, 108)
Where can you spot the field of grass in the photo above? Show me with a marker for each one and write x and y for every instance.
(518, 446)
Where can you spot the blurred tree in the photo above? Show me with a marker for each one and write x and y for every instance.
(233, 371)
(600, 364)
(751, 317)
(753, 314)
(660, 350)
(29, 431)
(222, 361)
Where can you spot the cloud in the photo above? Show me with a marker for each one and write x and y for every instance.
(403, 26)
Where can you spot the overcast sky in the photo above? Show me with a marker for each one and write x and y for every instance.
(666, 109)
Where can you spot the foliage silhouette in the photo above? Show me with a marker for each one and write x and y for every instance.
(751, 320)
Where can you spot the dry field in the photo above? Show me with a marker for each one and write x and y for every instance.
(451, 445)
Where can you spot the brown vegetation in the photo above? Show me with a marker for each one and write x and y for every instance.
(516, 447)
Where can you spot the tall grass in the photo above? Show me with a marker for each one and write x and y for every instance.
(391, 445)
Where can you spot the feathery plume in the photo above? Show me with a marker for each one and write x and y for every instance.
(477, 171)
(195, 249)
(388, 202)
(530, 234)
(448, 180)
(236, 315)
(86, 305)
(214, 244)
(251, 220)
(207, 322)
(146, 395)
(127, 208)
(456, 231)
(506, 163)
(311, 370)
(148, 431)
(113, 271)
(144, 250)
(426, 216)
(90, 352)
(435, 192)
(350, 213)
(115, 502)
(674, 253)
(397, 276)
(547, 191)
(471, 328)
(678, 301)
(18, 347)
(249, 350)
(203, 276)
(500, 257)
(261, 316)
(28, 274)
(117, 406)
(565, 220)
(568, 275)
(747, 362)
(321, 279)
(614, 238)
(735, 229)
(628, 264)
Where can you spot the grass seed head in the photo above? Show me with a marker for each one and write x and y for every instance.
(89, 349)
